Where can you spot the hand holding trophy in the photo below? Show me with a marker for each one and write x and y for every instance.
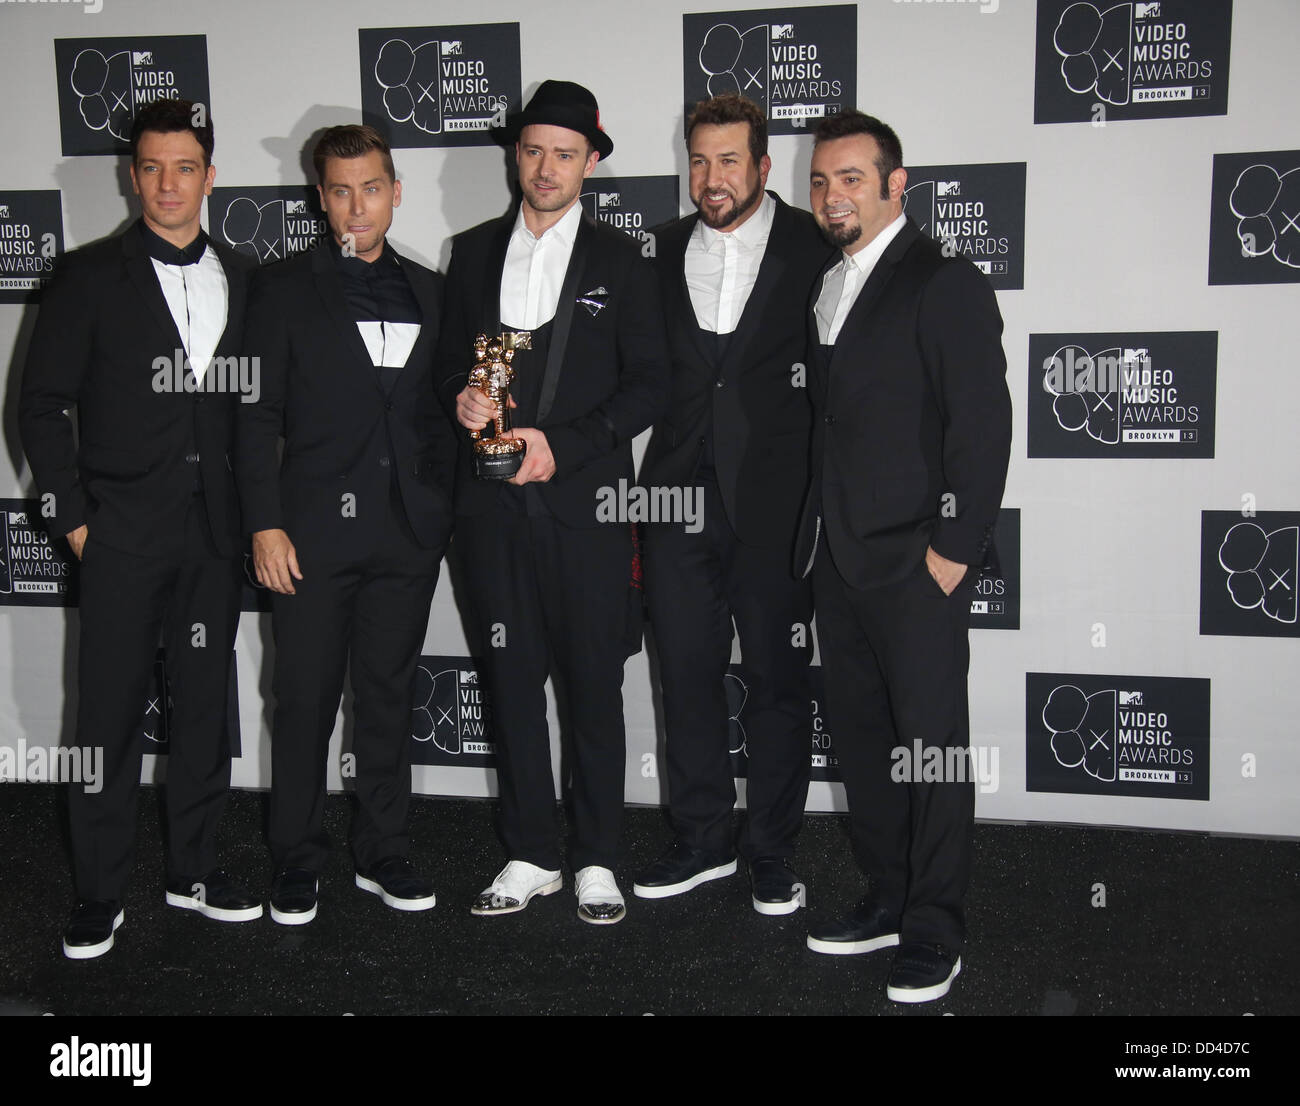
(496, 457)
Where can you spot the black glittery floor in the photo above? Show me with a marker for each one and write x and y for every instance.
(1189, 925)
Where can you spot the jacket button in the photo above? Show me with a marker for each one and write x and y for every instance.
(388, 406)
(383, 462)
(830, 419)
(191, 458)
(722, 380)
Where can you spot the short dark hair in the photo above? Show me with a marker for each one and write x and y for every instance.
(169, 117)
(848, 123)
(348, 141)
(732, 107)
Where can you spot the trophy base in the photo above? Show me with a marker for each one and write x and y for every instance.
(497, 466)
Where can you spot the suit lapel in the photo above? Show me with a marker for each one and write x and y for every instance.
(236, 289)
(139, 267)
(877, 281)
(426, 296)
(564, 316)
(686, 309)
(490, 322)
(330, 289)
(769, 272)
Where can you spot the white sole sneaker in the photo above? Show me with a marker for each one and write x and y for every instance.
(853, 948)
(299, 919)
(924, 994)
(771, 909)
(89, 952)
(216, 913)
(426, 903)
(720, 872)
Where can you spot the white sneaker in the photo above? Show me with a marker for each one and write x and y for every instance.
(515, 884)
(599, 899)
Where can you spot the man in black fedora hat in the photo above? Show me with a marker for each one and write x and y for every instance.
(549, 579)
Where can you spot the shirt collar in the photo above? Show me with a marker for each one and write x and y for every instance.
(161, 250)
(865, 259)
(563, 233)
(751, 234)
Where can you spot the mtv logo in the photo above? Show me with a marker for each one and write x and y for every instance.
(609, 199)
(17, 518)
(295, 207)
(1148, 11)
(947, 187)
(470, 677)
(782, 30)
(1130, 698)
(1136, 355)
(142, 57)
(4, 211)
(452, 49)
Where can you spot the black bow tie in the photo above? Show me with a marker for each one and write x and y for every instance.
(161, 250)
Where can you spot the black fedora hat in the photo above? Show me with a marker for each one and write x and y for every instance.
(560, 104)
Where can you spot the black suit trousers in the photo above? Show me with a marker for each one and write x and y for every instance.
(552, 599)
(696, 584)
(369, 613)
(191, 599)
(895, 660)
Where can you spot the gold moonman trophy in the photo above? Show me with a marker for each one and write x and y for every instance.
(496, 457)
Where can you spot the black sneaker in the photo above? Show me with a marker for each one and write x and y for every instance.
(777, 889)
(394, 880)
(293, 896)
(922, 973)
(89, 932)
(681, 869)
(215, 896)
(869, 927)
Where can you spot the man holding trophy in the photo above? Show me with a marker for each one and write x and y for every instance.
(553, 350)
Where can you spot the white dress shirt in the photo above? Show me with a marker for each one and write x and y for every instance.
(197, 296)
(721, 268)
(389, 344)
(845, 280)
(534, 270)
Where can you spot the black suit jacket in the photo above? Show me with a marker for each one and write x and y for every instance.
(129, 472)
(756, 403)
(344, 436)
(606, 376)
(912, 426)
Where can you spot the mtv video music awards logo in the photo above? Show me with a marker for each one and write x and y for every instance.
(1250, 573)
(103, 82)
(631, 204)
(824, 763)
(267, 223)
(34, 572)
(1255, 218)
(1122, 395)
(1159, 59)
(995, 602)
(976, 212)
(439, 86)
(450, 720)
(31, 240)
(798, 64)
(1117, 735)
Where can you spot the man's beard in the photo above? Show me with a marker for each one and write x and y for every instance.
(729, 215)
(549, 201)
(841, 235)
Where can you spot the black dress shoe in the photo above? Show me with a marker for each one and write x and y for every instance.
(922, 973)
(867, 928)
(681, 869)
(214, 896)
(394, 880)
(89, 932)
(293, 896)
(777, 889)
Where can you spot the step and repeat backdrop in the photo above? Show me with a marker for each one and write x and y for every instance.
(1127, 177)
